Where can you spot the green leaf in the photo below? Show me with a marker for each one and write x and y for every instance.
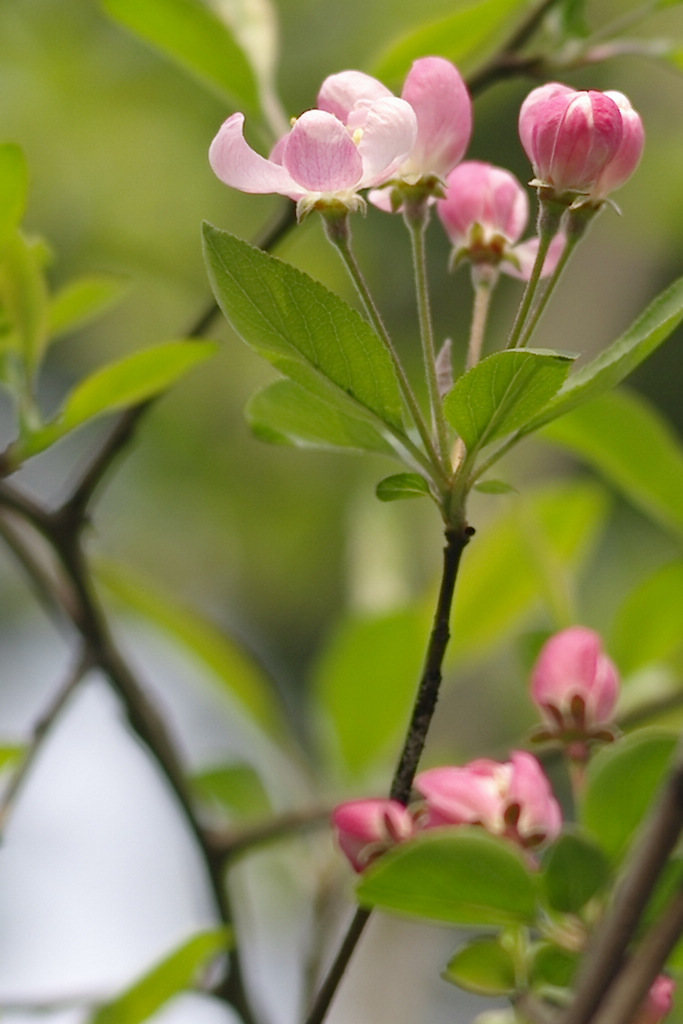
(192, 35)
(634, 448)
(552, 967)
(235, 669)
(622, 782)
(286, 413)
(235, 789)
(13, 189)
(574, 870)
(23, 299)
(505, 569)
(495, 487)
(459, 876)
(365, 683)
(615, 363)
(174, 974)
(9, 754)
(402, 485)
(502, 393)
(464, 37)
(483, 966)
(82, 300)
(647, 627)
(303, 329)
(133, 379)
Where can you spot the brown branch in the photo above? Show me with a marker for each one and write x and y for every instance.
(605, 954)
(41, 731)
(401, 785)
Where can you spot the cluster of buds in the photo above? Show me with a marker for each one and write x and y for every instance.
(360, 136)
(511, 799)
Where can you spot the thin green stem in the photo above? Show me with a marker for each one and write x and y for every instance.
(416, 217)
(549, 216)
(483, 289)
(338, 233)
(576, 224)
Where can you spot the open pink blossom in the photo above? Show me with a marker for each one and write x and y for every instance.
(323, 160)
(367, 828)
(512, 799)
(485, 212)
(574, 683)
(658, 1002)
(436, 92)
(587, 143)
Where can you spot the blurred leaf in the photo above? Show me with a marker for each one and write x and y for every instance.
(551, 966)
(236, 788)
(634, 448)
(24, 299)
(623, 780)
(503, 574)
(13, 188)
(619, 359)
(366, 681)
(196, 39)
(483, 966)
(82, 300)
(647, 627)
(306, 331)
(463, 37)
(460, 876)
(172, 975)
(9, 753)
(402, 485)
(286, 413)
(126, 382)
(495, 487)
(574, 870)
(502, 393)
(255, 27)
(237, 670)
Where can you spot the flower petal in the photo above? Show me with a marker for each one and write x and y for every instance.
(238, 165)
(388, 131)
(320, 155)
(525, 257)
(340, 93)
(438, 95)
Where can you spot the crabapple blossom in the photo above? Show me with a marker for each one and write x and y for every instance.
(367, 828)
(574, 683)
(323, 161)
(436, 92)
(512, 799)
(484, 213)
(587, 143)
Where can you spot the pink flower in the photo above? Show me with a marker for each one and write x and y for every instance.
(512, 799)
(574, 683)
(658, 1002)
(438, 95)
(323, 160)
(485, 212)
(367, 828)
(583, 142)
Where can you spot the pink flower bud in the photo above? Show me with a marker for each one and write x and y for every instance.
(583, 142)
(658, 1002)
(512, 799)
(367, 828)
(485, 212)
(574, 683)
